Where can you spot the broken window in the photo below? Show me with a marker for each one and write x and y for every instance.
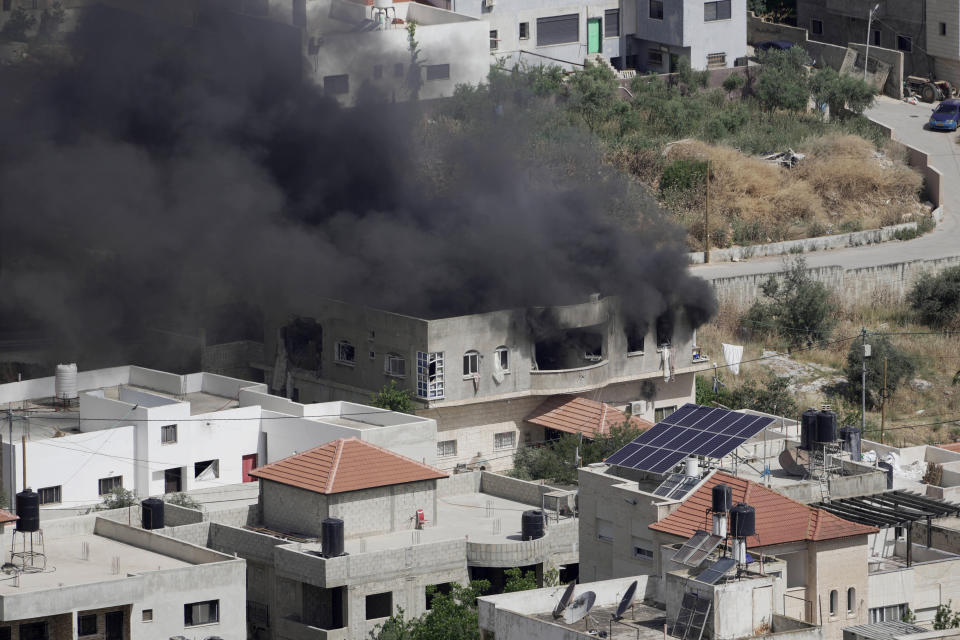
(471, 363)
(636, 333)
(336, 85)
(569, 349)
(345, 352)
(430, 374)
(206, 470)
(665, 330)
(501, 359)
(303, 340)
(394, 365)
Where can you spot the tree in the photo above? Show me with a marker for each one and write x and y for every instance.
(18, 24)
(452, 616)
(841, 92)
(393, 398)
(783, 82)
(118, 498)
(688, 78)
(900, 367)
(936, 298)
(415, 71)
(772, 395)
(181, 500)
(519, 581)
(795, 307)
(946, 617)
(734, 82)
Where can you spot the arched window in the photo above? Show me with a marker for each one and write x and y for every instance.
(851, 600)
(834, 597)
(471, 363)
(501, 359)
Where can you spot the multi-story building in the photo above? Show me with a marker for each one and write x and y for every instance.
(480, 376)
(655, 34)
(154, 432)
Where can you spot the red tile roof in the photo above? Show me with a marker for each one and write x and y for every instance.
(779, 519)
(347, 464)
(581, 415)
(953, 446)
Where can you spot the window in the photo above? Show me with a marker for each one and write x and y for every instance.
(438, 72)
(197, 613)
(833, 602)
(719, 10)
(146, 615)
(716, 60)
(662, 412)
(168, 434)
(883, 614)
(641, 551)
(34, 631)
(558, 29)
(471, 363)
(258, 614)
(505, 440)
(87, 624)
(501, 359)
(434, 590)
(377, 71)
(654, 57)
(394, 365)
(904, 43)
(430, 374)
(604, 530)
(524, 30)
(336, 85)
(398, 70)
(816, 27)
(851, 600)
(379, 605)
(494, 39)
(345, 352)
(109, 484)
(6, 633)
(664, 331)
(656, 9)
(943, 28)
(446, 448)
(206, 469)
(50, 495)
(611, 23)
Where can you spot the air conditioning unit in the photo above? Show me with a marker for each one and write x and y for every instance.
(638, 408)
(488, 4)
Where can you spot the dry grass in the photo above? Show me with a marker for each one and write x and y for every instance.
(842, 184)
(937, 358)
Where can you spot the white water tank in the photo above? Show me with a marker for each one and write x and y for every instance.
(692, 468)
(65, 382)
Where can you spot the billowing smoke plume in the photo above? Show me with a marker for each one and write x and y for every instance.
(166, 172)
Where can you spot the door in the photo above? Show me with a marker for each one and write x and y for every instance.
(248, 464)
(593, 35)
(113, 623)
(172, 480)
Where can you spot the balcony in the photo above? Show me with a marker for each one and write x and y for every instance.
(569, 380)
(291, 627)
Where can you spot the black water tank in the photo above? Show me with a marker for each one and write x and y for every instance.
(808, 428)
(722, 498)
(531, 524)
(331, 537)
(151, 513)
(743, 521)
(826, 426)
(851, 441)
(28, 508)
(888, 468)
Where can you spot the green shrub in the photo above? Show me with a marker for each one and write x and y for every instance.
(783, 82)
(734, 82)
(684, 175)
(899, 367)
(794, 307)
(936, 298)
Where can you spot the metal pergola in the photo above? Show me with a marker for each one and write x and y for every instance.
(893, 509)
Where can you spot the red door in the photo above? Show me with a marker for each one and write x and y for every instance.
(249, 464)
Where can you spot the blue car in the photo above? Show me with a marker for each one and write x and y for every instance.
(945, 116)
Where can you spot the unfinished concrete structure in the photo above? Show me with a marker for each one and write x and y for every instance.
(480, 375)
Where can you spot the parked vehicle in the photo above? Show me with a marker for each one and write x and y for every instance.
(927, 89)
(945, 116)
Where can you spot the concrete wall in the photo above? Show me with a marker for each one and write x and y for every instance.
(459, 484)
(838, 565)
(517, 490)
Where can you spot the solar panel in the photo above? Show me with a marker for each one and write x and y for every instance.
(676, 486)
(690, 546)
(705, 550)
(699, 546)
(714, 572)
(690, 430)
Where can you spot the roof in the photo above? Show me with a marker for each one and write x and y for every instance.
(347, 464)
(884, 630)
(778, 518)
(574, 414)
(953, 446)
(6, 516)
(891, 508)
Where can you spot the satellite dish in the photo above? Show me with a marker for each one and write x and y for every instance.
(579, 607)
(626, 600)
(564, 599)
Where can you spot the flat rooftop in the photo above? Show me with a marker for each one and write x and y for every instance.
(65, 565)
(643, 621)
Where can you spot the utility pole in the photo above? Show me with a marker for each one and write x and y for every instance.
(706, 220)
(11, 490)
(863, 380)
(866, 57)
(883, 406)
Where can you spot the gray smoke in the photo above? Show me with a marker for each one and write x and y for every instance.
(167, 176)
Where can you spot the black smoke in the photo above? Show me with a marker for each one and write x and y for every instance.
(164, 173)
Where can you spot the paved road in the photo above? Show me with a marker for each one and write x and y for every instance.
(944, 154)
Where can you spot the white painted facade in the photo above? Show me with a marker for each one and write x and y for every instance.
(124, 414)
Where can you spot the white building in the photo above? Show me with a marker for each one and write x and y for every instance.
(154, 432)
(657, 33)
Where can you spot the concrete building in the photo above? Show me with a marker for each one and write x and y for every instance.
(108, 580)
(154, 432)
(468, 526)
(479, 376)
(656, 34)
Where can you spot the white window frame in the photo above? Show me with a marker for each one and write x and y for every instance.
(391, 368)
(430, 385)
(340, 352)
(494, 39)
(115, 482)
(505, 440)
(57, 494)
(165, 430)
(665, 412)
(471, 364)
(446, 448)
(501, 359)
